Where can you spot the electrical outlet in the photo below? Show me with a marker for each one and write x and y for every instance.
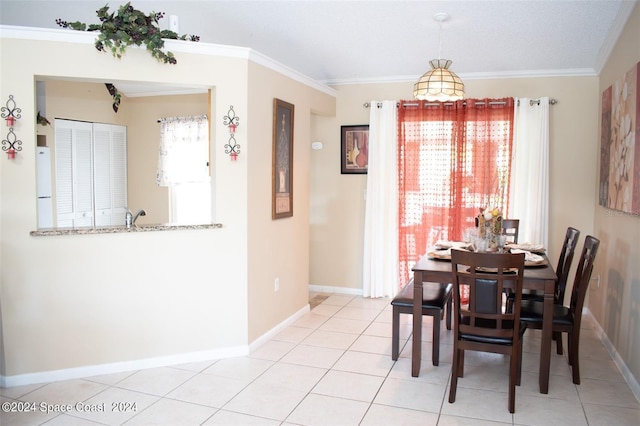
(276, 284)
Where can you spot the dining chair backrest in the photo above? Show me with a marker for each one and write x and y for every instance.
(486, 274)
(483, 324)
(510, 228)
(564, 263)
(582, 278)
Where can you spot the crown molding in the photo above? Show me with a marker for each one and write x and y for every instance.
(86, 37)
(626, 8)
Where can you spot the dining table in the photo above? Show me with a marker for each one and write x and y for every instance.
(540, 277)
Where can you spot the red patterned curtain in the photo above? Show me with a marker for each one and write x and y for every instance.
(454, 159)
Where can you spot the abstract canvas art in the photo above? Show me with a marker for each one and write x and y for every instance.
(620, 144)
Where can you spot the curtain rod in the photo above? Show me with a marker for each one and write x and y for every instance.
(531, 102)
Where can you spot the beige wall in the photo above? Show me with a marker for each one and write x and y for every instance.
(278, 248)
(90, 304)
(337, 215)
(616, 302)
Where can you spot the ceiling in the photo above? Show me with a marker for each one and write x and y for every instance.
(340, 42)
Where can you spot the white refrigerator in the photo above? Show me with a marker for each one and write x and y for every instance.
(43, 187)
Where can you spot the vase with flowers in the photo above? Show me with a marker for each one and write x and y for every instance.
(489, 226)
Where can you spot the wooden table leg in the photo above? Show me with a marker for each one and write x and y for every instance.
(416, 351)
(545, 346)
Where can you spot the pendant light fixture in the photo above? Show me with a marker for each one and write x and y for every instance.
(439, 83)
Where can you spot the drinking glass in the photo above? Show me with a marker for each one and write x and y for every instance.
(501, 240)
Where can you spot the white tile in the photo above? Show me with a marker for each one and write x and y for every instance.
(272, 350)
(606, 415)
(111, 379)
(15, 414)
(341, 384)
(156, 381)
(16, 392)
(338, 299)
(228, 418)
(311, 320)
(345, 325)
(378, 304)
(357, 314)
(429, 373)
(383, 415)
(66, 420)
(240, 368)
(170, 412)
(364, 363)
(330, 339)
(294, 376)
(326, 410)
(327, 310)
(293, 334)
(209, 390)
(265, 400)
(119, 405)
(605, 392)
(483, 405)
(372, 344)
(447, 420)
(313, 356)
(536, 410)
(66, 392)
(196, 367)
(412, 395)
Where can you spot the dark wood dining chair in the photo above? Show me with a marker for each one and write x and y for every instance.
(435, 298)
(562, 271)
(483, 325)
(510, 228)
(567, 319)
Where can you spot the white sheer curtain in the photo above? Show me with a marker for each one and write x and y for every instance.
(529, 200)
(184, 150)
(380, 263)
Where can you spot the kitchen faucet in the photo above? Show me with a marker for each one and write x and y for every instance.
(130, 219)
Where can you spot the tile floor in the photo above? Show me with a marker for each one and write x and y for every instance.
(333, 367)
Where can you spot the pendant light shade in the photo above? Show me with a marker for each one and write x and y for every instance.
(439, 83)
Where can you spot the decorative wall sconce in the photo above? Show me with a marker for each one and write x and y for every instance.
(231, 120)
(11, 144)
(11, 113)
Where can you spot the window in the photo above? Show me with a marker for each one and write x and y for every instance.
(455, 158)
(183, 166)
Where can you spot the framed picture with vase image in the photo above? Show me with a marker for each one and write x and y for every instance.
(282, 169)
(354, 143)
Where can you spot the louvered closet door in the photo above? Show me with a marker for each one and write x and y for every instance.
(91, 174)
(110, 173)
(74, 173)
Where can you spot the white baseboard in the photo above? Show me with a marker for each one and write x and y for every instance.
(337, 290)
(119, 367)
(626, 373)
(163, 361)
(278, 328)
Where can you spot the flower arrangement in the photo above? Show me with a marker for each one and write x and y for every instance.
(489, 223)
(129, 26)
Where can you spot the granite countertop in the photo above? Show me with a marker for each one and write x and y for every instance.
(120, 229)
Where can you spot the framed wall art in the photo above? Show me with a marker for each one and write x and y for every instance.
(282, 169)
(620, 144)
(354, 143)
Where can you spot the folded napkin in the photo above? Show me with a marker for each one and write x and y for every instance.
(536, 248)
(528, 256)
(442, 244)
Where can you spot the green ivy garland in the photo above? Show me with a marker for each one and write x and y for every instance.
(130, 26)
